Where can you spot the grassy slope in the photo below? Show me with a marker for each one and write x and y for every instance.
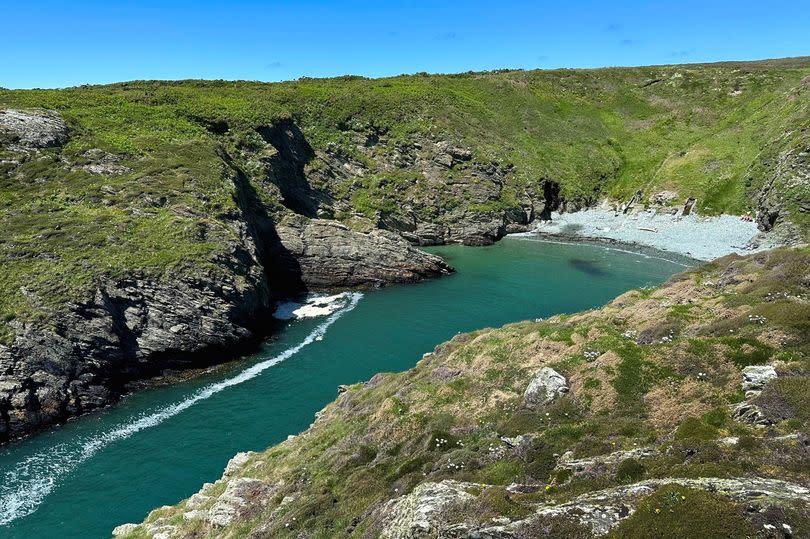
(379, 441)
(698, 130)
(577, 126)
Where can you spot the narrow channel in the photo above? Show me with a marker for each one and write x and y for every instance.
(160, 445)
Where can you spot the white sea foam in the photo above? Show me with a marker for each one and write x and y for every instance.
(25, 487)
(311, 308)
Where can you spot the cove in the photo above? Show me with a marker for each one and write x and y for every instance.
(160, 445)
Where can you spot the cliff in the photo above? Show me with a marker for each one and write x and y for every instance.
(101, 292)
(680, 411)
(149, 224)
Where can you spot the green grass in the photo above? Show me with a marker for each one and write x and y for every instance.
(693, 428)
(596, 132)
(682, 513)
(630, 471)
(378, 443)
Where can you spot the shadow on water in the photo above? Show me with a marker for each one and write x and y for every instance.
(590, 267)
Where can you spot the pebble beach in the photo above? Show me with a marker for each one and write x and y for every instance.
(694, 236)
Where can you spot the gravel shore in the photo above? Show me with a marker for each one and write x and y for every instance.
(702, 238)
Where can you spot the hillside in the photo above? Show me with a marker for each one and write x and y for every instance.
(680, 411)
(148, 224)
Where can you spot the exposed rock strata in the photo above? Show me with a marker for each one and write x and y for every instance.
(449, 196)
(134, 327)
(329, 254)
(783, 198)
(754, 380)
(427, 511)
(128, 328)
(603, 463)
(81, 356)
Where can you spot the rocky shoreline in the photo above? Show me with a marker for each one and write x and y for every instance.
(292, 225)
(597, 424)
(137, 327)
(84, 354)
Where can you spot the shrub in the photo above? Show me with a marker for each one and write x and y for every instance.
(630, 471)
(786, 398)
(693, 428)
(501, 473)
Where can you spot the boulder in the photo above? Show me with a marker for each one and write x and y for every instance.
(546, 386)
(664, 198)
(33, 128)
(422, 512)
(756, 376)
(745, 412)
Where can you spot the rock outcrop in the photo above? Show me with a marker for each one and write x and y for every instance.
(84, 354)
(785, 197)
(546, 386)
(126, 329)
(422, 513)
(602, 510)
(602, 464)
(330, 255)
(754, 380)
(32, 128)
(756, 376)
(449, 196)
(135, 327)
(428, 510)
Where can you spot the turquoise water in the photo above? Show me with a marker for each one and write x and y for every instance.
(160, 445)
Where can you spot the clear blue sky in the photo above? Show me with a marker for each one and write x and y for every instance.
(65, 43)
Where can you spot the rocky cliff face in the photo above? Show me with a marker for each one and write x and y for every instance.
(76, 357)
(618, 422)
(427, 190)
(83, 356)
(327, 254)
(784, 202)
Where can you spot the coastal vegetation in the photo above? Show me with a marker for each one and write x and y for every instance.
(712, 132)
(148, 223)
(141, 184)
(654, 403)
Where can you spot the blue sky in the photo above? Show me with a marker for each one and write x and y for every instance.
(54, 44)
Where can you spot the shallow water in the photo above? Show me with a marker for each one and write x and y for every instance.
(160, 445)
